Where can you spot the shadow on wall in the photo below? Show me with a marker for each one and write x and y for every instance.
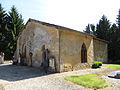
(15, 73)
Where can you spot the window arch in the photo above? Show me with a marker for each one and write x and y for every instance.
(83, 53)
(43, 47)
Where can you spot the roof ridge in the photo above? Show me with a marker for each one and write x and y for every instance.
(58, 26)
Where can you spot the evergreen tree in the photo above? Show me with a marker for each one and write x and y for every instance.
(118, 36)
(15, 22)
(15, 26)
(10, 26)
(88, 29)
(103, 28)
(118, 31)
(105, 31)
(3, 29)
(92, 26)
(112, 46)
(118, 19)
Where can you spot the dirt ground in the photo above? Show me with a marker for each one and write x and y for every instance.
(28, 78)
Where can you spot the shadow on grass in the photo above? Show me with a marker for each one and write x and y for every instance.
(15, 73)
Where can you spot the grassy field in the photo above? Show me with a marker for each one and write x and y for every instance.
(88, 80)
(112, 66)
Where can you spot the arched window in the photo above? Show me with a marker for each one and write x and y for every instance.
(83, 54)
(43, 47)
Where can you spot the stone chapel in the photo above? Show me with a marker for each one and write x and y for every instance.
(64, 48)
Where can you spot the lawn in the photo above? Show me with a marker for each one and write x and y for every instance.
(88, 80)
(112, 66)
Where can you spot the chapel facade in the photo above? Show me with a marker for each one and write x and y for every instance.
(64, 49)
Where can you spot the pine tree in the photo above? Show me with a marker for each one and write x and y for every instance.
(118, 31)
(93, 29)
(103, 28)
(89, 29)
(118, 36)
(15, 26)
(15, 22)
(3, 29)
(112, 46)
(118, 19)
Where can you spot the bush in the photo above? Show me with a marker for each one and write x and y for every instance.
(96, 64)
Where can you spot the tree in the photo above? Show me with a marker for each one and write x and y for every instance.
(118, 37)
(118, 30)
(112, 46)
(111, 33)
(103, 28)
(15, 22)
(15, 26)
(3, 29)
(118, 19)
(10, 26)
(92, 26)
(88, 29)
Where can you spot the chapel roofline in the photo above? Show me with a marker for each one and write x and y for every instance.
(62, 27)
(57, 26)
(100, 40)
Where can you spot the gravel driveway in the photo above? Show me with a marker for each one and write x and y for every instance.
(28, 78)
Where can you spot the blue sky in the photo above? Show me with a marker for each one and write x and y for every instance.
(75, 14)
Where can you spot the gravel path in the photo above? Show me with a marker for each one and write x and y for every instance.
(27, 78)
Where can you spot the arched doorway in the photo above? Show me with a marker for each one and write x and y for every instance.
(83, 53)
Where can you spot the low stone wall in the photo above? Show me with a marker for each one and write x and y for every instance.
(69, 67)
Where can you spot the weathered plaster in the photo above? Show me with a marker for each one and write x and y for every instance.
(70, 49)
(100, 51)
(64, 44)
(34, 36)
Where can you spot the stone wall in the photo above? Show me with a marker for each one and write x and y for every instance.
(100, 51)
(70, 50)
(31, 41)
(64, 45)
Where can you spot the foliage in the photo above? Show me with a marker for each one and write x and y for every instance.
(3, 29)
(92, 26)
(90, 29)
(96, 64)
(88, 80)
(15, 25)
(118, 36)
(103, 28)
(111, 33)
(10, 26)
(118, 19)
(113, 46)
(113, 66)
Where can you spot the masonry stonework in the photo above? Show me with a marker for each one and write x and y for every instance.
(64, 46)
(100, 51)
(70, 49)
(33, 38)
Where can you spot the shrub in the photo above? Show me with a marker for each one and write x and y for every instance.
(96, 64)
(100, 63)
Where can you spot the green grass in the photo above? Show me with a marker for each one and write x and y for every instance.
(88, 80)
(113, 66)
